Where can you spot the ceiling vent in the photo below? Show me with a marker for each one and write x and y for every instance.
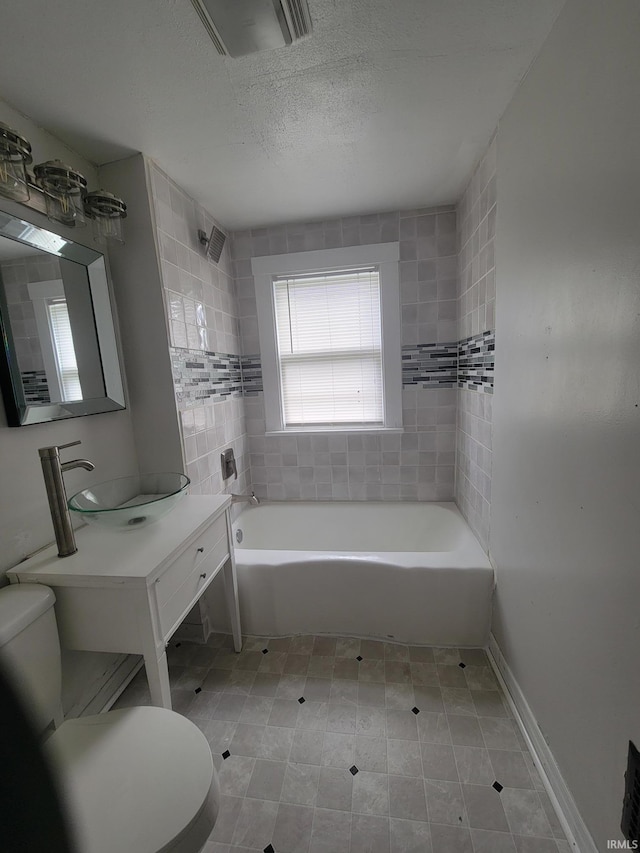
(239, 27)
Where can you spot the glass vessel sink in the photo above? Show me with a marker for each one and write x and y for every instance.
(130, 502)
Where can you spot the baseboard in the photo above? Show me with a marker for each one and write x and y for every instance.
(578, 835)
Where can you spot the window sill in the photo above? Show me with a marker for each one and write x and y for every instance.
(335, 431)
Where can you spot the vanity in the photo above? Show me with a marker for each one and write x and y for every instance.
(129, 591)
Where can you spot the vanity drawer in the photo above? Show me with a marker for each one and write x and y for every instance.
(174, 577)
(172, 607)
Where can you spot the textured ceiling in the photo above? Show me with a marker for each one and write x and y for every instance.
(388, 105)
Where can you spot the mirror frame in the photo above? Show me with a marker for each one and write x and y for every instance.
(19, 412)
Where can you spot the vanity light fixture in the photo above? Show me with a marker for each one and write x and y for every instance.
(15, 156)
(106, 212)
(64, 192)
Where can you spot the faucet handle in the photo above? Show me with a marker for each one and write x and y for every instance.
(53, 450)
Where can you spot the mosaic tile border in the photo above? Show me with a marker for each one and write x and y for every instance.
(476, 362)
(251, 366)
(430, 365)
(205, 376)
(467, 364)
(35, 386)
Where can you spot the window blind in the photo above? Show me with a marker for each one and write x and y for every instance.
(330, 348)
(64, 350)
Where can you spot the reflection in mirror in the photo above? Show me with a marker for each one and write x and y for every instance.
(61, 359)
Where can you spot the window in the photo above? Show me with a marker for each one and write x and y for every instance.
(330, 339)
(65, 355)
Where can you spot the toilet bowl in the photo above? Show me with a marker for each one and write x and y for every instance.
(138, 779)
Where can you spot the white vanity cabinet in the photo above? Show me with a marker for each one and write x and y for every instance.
(129, 591)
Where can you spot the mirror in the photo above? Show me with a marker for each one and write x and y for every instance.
(59, 356)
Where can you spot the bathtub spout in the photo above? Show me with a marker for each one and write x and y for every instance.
(252, 499)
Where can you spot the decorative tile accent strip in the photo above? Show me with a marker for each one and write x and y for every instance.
(476, 359)
(36, 388)
(202, 376)
(251, 374)
(430, 365)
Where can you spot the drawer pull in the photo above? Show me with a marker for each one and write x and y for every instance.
(200, 550)
(203, 575)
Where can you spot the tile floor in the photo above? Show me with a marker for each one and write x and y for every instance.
(328, 745)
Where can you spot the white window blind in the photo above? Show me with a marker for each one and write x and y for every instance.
(329, 348)
(64, 350)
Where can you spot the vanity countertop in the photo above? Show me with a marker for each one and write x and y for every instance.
(106, 557)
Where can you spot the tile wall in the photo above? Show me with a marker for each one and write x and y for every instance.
(476, 332)
(204, 337)
(418, 464)
(16, 274)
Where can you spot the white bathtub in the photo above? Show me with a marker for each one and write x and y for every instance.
(411, 572)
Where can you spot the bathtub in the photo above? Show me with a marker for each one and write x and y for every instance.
(409, 572)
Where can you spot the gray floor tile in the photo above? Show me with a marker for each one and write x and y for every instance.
(369, 834)
(433, 727)
(474, 766)
(399, 697)
(451, 676)
(227, 818)
(371, 754)
(421, 654)
(370, 793)
(499, 733)
(403, 758)
(255, 823)
(489, 703)
(465, 731)
(292, 830)
(428, 698)
(396, 651)
(317, 689)
(409, 836)
(266, 780)
(484, 808)
(335, 789)
(371, 694)
(458, 700)
(284, 712)
(438, 762)
(510, 768)
(276, 743)
(445, 804)
(347, 648)
(407, 798)
(331, 832)
(526, 844)
(324, 646)
(401, 725)
(307, 747)
(450, 839)
(301, 784)
(291, 687)
(341, 718)
(371, 721)
(247, 740)
(234, 775)
(525, 813)
(344, 692)
(488, 841)
(372, 649)
(371, 671)
(256, 710)
(338, 749)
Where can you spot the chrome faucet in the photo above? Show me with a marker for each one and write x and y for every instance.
(252, 499)
(52, 470)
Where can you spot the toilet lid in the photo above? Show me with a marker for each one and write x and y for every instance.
(132, 780)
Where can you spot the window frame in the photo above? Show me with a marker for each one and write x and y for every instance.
(384, 256)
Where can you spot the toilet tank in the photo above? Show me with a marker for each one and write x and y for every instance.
(30, 649)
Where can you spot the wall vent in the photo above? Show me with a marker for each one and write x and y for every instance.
(214, 243)
(630, 825)
(247, 26)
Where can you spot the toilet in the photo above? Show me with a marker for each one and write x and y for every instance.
(138, 779)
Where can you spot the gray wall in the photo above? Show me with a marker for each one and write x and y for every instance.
(25, 523)
(565, 535)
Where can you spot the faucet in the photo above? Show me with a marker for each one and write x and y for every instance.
(52, 470)
(252, 499)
